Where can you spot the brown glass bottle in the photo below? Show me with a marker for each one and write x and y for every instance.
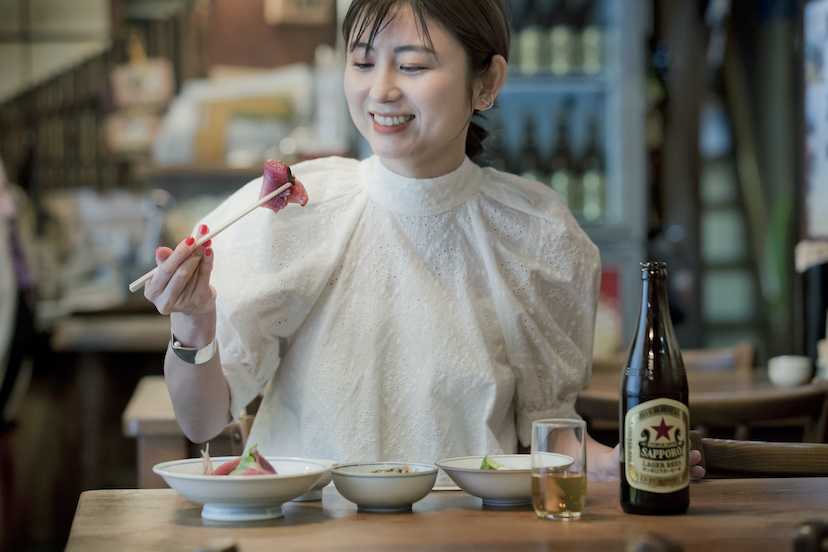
(654, 418)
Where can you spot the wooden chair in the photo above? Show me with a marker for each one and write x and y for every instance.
(740, 357)
(761, 458)
(805, 406)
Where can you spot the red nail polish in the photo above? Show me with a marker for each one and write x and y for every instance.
(206, 244)
(202, 229)
(190, 240)
(208, 252)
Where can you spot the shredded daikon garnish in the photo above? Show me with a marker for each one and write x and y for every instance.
(206, 464)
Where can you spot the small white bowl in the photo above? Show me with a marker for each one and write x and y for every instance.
(242, 497)
(511, 486)
(790, 370)
(383, 492)
(316, 492)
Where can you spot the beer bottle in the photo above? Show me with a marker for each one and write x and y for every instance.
(654, 418)
(560, 40)
(592, 174)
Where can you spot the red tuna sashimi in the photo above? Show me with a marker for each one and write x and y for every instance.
(276, 175)
(250, 463)
(227, 467)
(258, 467)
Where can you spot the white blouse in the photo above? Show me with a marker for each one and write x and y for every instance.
(423, 318)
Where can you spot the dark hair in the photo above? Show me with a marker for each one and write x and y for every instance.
(481, 26)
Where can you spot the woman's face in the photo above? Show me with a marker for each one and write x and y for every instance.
(410, 101)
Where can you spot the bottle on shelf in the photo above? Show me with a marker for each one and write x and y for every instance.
(592, 49)
(654, 417)
(561, 39)
(560, 160)
(531, 46)
(592, 174)
(530, 161)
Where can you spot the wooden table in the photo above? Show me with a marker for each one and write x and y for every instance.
(725, 514)
(149, 417)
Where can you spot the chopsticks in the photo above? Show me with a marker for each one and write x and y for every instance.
(139, 283)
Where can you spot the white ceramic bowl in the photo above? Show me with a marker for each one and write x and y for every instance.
(242, 497)
(502, 487)
(383, 492)
(316, 492)
(790, 370)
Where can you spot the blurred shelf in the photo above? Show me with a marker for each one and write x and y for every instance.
(549, 83)
(190, 180)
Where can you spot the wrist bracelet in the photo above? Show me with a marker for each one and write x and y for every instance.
(192, 355)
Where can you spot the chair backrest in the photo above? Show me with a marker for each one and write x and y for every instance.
(740, 356)
(761, 458)
(805, 406)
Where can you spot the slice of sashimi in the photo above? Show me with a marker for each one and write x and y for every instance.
(276, 175)
(227, 467)
(262, 461)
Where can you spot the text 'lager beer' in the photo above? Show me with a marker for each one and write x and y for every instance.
(654, 418)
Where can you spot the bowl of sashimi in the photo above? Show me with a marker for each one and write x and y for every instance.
(246, 487)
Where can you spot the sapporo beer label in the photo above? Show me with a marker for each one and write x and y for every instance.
(655, 447)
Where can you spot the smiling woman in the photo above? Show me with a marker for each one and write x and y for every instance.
(430, 308)
(402, 83)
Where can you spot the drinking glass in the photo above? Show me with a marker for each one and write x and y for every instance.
(559, 468)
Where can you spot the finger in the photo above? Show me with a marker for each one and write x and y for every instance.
(171, 263)
(152, 287)
(203, 231)
(695, 457)
(157, 288)
(187, 276)
(697, 472)
(177, 295)
(202, 291)
(162, 254)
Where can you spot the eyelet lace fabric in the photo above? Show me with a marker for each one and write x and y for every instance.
(425, 319)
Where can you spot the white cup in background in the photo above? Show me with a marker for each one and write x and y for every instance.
(790, 370)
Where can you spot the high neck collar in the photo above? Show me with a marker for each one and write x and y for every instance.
(419, 196)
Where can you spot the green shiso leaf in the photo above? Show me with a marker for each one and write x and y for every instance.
(490, 464)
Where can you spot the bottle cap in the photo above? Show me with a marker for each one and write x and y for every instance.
(653, 268)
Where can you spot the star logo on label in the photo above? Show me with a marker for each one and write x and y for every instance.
(662, 430)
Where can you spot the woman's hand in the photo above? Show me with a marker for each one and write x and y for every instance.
(182, 282)
(606, 465)
(696, 471)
